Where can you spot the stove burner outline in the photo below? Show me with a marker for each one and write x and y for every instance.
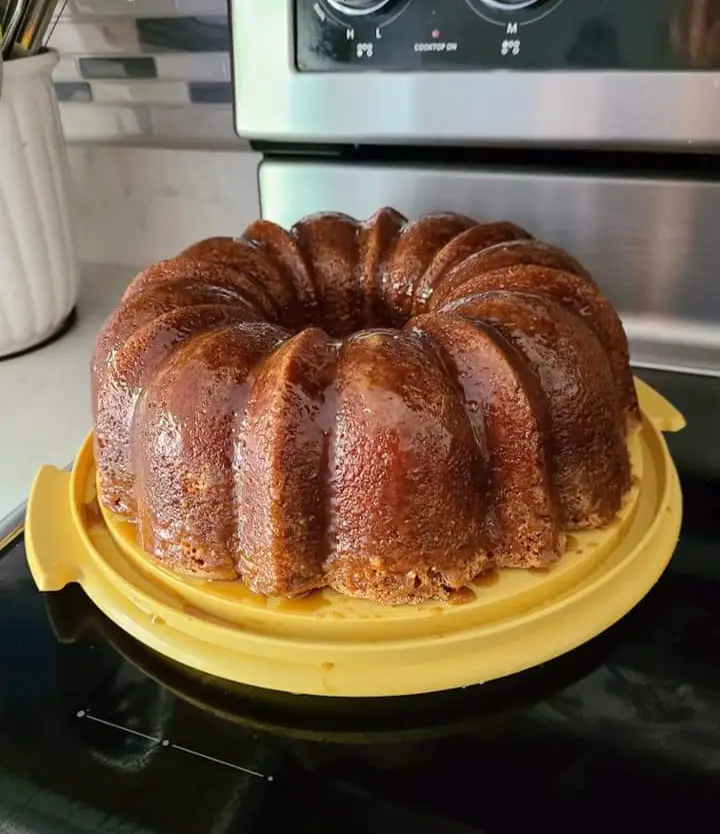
(164, 742)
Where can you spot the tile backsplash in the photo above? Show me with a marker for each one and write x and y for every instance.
(145, 70)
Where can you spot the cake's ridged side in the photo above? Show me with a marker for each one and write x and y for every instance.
(415, 247)
(246, 284)
(406, 474)
(147, 305)
(184, 448)
(282, 250)
(588, 454)
(281, 475)
(329, 243)
(377, 240)
(475, 239)
(575, 293)
(528, 252)
(394, 465)
(126, 372)
(506, 404)
(249, 259)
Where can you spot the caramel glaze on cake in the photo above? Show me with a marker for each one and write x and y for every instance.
(387, 408)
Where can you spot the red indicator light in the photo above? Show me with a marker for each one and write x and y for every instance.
(436, 33)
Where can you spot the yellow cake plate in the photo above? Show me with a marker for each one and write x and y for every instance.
(327, 644)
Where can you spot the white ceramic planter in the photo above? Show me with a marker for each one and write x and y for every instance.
(39, 272)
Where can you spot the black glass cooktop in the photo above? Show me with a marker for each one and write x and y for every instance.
(99, 734)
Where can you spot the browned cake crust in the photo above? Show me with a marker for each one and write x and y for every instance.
(282, 251)
(248, 284)
(478, 238)
(143, 340)
(377, 240)
(407, 475)
(185, 448)
(245, 257)
(415, 247)
(518, 252)
(587, 453)
(285, 447)
(330, 245)
(261, 418)
(572, 291)
(511, 422)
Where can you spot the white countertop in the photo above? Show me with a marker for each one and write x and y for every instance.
(45, 395)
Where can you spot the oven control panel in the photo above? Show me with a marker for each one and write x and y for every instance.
(407, 35)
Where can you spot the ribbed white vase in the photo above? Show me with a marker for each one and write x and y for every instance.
(39, 272)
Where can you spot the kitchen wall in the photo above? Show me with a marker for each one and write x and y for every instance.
(145, 70)
(136, 205)
(145, 92)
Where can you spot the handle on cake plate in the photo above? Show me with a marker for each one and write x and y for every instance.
(54, 548)
(662, 414)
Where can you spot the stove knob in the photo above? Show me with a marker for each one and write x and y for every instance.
(358, 7)
(510, 5)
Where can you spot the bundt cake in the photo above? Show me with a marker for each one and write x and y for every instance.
(388, 408)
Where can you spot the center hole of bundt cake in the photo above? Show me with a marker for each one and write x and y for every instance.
(339, 332)
(341, 317)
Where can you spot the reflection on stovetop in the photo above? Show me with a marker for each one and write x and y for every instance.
(98, 733)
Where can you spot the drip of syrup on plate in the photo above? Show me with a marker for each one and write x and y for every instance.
(308, 604)
(461, 596)
(571, 543)
(91, 514)
(487, 579)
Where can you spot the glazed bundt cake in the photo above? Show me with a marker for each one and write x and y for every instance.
(388, 408)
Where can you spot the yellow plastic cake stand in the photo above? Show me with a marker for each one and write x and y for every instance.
(327, 644)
